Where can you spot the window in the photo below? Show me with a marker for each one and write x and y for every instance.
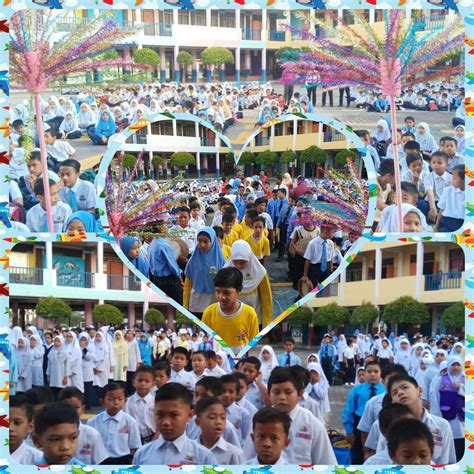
(183, 17)
(348, 17)
(278, 127)
(354, 272)
(214, 18)
(388, 267)
(456, 260)
(378, 15)
(227, 20)
(199, 17)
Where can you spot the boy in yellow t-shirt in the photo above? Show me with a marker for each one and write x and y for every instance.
(259, 244)
(234, 321)
(226, 250)
(228, 226)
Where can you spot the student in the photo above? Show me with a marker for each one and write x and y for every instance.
(404, 389)
(211, 419)
(282, 224)
(196, 221)
(183, 231)
(69, 128)
(385, 182)
(79, 194)
(327, 356)
(179, 360)
(59, 368)
(161, 375)
(413, 220)
(349, 362)
(451, 203)
(104, 129)
(271, 428)
(213, 367)
(268, 361)
(355, 406)
(199, 364)
(173, 411)
(24, 359)
(317, 389)
(289, 358)
(87, 363)
(58, 150)
(56, 432)
(141, 405)
(268, 227)
(90, 448)
(74, 352)
(119, 431)
(101, 363)
(415, 173)
(410, 442)
(233, 320)
(37, 217)
(130, 246)
(427, 142)
(20, 427)
(409, 124)
(256, 291)
(228, 224)
(448, 145)
(257, 393)
(259, 244)
(205, 262)
(226, 250)
(319, 256)
(37, 354)
(80, 222)
(385, 354)
(240, 398)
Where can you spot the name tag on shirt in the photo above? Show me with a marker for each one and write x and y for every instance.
(123, 429)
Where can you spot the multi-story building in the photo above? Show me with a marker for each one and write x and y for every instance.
(432, 273)
(83, 275)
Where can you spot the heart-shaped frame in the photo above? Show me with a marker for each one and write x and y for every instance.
(116, 141)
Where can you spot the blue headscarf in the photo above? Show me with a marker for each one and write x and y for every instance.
(199, 265)
(106, 127)
(126, 244)
(145, 349)
(88, 219)
(204, 113)
(265, 111)
(161, 259)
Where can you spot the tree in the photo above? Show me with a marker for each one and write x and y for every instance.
(289, 156)
(112, 54)
(216, 56)
(405, 310)
(247, 158)
(341, 157)
(301, 316)
(267, 157)
(181, 318)
(184, 59)
(53, 308)
(147, 57)
(453, 316)
(107, 314)
(181, 159)
(330, 315)
(154, 317)
(129, 161)
(314, 155)
(364, 314)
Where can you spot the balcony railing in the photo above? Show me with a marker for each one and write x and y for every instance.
(252, 35)
(137, 139)
(443, 281)
(430, 23)
(123, 282)
(276, 35)
(208, 141)
(75, 279)
(333, 137)
(26, 276)
(330, 290)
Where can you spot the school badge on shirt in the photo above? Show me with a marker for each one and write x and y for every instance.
(242, 336)
(123, 429)
(189, 459)
(303, 433)
(437, 437)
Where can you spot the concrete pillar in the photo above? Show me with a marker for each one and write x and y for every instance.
(340, 288)
(208, 17)
(204, 165)
(237, 18)
(419, 269)
(88, 312)
(400, 264)
(237, 63)
(264, 25)
(443, 263)
(194, 67)
(264, 64)
(247, 66)
(175, 128)
(198, 164)
(131, 314)
(100, 258)
(49, 275)
(162, 65)
(169, 316)
(177, 72)
(371, 16)
(218, 165)
(365, 269)
(378, 273)
(222, 73)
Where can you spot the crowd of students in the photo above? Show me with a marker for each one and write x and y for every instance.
(170, 398)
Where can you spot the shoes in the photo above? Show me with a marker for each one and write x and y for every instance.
(279, 259)
(346, 384)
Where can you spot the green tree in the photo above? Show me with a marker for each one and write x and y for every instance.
(289, 156)
(247, 158)
(154, 317)
(405, 310)
(184, 59)
(129, 161)
(314, 155)
(290, 54)
(53, 308)
(181, 159)
(157, 160)
(301, 316)
(364, 314)
(341, 157)
(112, 54)
(181, 318)
(147, 57)
(267, 157)
(454, 316)
(107, 314)
(217, 56)
(330, 315)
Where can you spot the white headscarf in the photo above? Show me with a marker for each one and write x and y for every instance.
(426, 141)
(225, 365)
(101, 349)
(253, 272)
(453, 353)
(450, 362)
(15, 334)
(323, 381)
(356, 381)
(391, 221)
(267, 365)
(384, 135)
(312, 354)
(58, 354)
(90, 345)
(39, 343)
(73, 349)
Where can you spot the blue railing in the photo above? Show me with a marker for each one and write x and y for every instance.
(443, 281)
(330, 290)
(277, 35)
(333, 137)
(75, 279)
(123, 282)
(430, 23)
(26, 276)
(252, 35)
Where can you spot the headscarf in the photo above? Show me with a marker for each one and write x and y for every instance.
(73, 349)
(356, 381)
(453, 353)
(58, 354)
(86, 116)
(323, 381)
(15, 333)
(101, 349)
(286, 180)
(108, 125)
(88, 220)
(225, 365)
(384, 135)
(341, 346)
(450, 362)
(267, 366)
(90, 345)
(199, 266)
(125, 106)
(315, 355)
(161, 259)
(426, 141)
(461, 142)
(39, 343)
(145, 349)
(254, 272)
(120, 347)
(265, 111)
(391, 222)
(126, 244)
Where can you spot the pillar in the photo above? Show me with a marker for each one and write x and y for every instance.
(48, 271)
(100, 258)
(264, 65)
(264, 25)
(378, 273)
(88, 313)
(177, 75)
(237, 18)
(218, 165)
(340, 288)
(237, 63)
(169, 316)
(209, 73)
(371, 16)
(131, 314)
(194, 70)
(204, 165)
(162, 65)
(198, 164)
(127, 56)
(208, 17)
(419, 269)
(222, 73)
(247, 65)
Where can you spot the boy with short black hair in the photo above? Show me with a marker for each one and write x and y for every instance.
(161, 375)
(257, 393)
(213, 367)
(199, 364)
(173, 412)
(56, 432)
(79, 194)
(415, 173)
(289, 358)
(240, 398)
(449, 146)
(90, 448)
(179, 361)
(259, 244)
(228, 224)
(196, 221)
(271, 428)
(119, 431)
(452, 203)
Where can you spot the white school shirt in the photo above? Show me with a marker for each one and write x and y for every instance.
(37, 376)
(403, 358)
(216, 371)
(313, 406)
(371, 413)
(134, 356)
(254, 396)
(184, 378)
(90, 447)
(244, 403)
(58, 370)
(26, 454)
(120, 433)
(379, 459)
(255, 462)
(193, 431)
(15, 192)
(241, 419)
(17, 163)
(180, 451)
(36, 217)
(88, 366)
(410, 177)
(227, 454)
(452, 202)
(436, 183)
(268, 220)
(85, 195)
(142, 410)
(61, 150)
(188, 234)
(314, 250)
(349, 353)
(384, 353)
(196, 223)
(454, 161)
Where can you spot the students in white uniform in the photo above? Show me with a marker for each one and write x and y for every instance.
(134, 360)
(87, 362)
(76, 378)
(37, 353)
(58, 365)
(179, 360)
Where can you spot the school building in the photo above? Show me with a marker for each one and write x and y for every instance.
(83, 275)
(253, 36)
(432, 273)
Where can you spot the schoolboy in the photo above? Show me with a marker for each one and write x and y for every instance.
(179, 361)
(259, 244)
(161, 375)
(257, 393)
(119, 431)
(237, 415)
(228, 224)
(282, 224)
(355, 406)
(199, 364)
(404, 389)
(211, 418)
(240, 399)
(21, 426)
(289, 358)
(56, 432)
(79, 194)
(173, 412)
(196, 221)
(246, 229)
(452, 202)
(213, 368)
(409, 124)
(415, 173)
(58, 150)
(234, 321)
(412, 146)
(90, 448)
(449, 146)
(270, 436)
(141, 405)
(37, 217)
(261, 206)
(185, 232)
